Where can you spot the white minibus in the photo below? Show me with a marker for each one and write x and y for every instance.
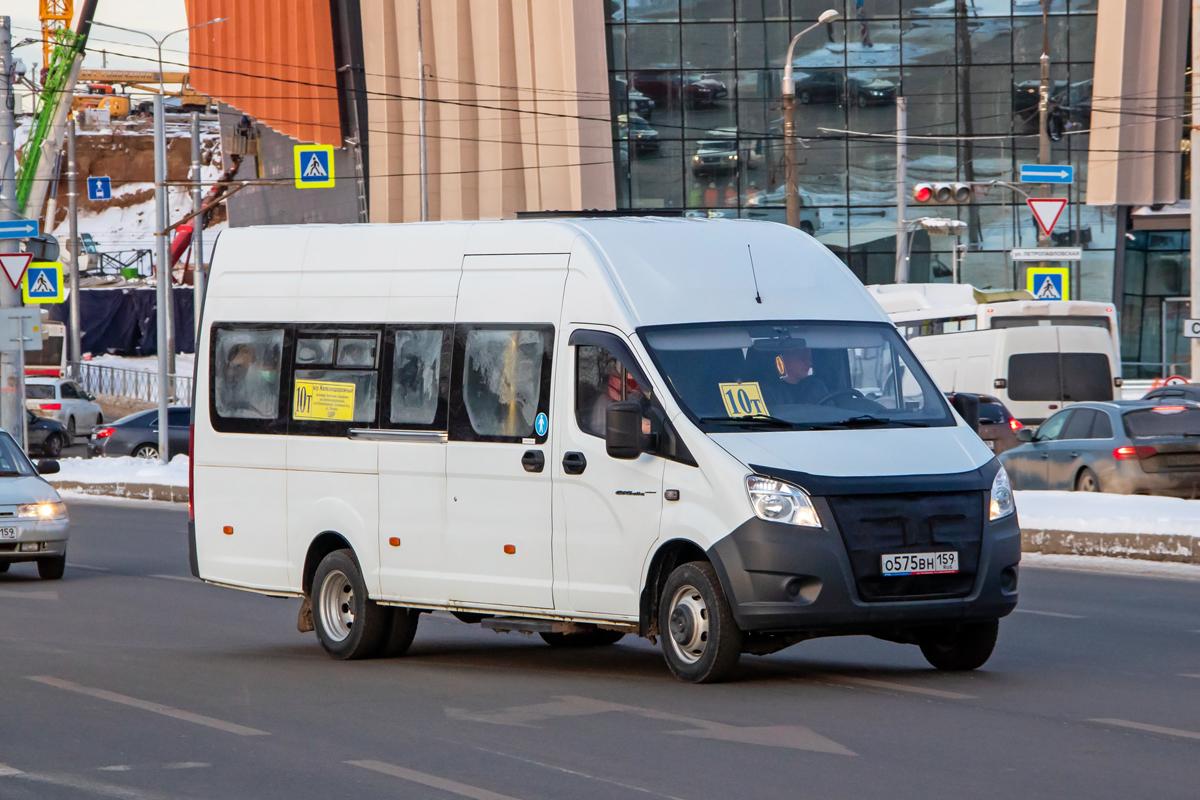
(704, 432)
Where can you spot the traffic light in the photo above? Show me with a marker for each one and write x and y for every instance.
(942, 193)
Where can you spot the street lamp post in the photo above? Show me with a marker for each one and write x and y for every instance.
(788, 90)
(165, 337)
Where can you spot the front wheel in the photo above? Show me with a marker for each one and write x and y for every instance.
(349, 624)
(958, 648)
(53, 446)
(594, 638)
(1087, 481)
(701, 641)
(52, 569)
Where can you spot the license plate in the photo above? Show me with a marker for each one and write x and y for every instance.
(898, 564)
(8, 533)
(991, 443)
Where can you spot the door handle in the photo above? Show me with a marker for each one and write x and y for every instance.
(533, 461)
(1045, 456)
(574, 463)
(1074, 455)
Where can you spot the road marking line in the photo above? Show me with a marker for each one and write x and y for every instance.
(184, 578)
(432, 781)
(187, 765)
(88, 567)
(115, 768)
(574, 772)
(875, 683)
(1189, 674)
(1142, 726)
(6, 771)
(1058, 614)
(35, 595)
(146, 705)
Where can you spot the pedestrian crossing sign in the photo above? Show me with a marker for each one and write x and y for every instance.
(43, 283)
(314, 166)
(1049, 283)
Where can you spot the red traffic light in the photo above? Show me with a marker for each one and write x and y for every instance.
(922, 193)
(942, 193)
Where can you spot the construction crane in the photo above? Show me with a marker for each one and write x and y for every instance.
(56, 16)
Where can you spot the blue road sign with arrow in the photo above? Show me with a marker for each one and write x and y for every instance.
(99, 187)
(1047, 173)
(18, 228)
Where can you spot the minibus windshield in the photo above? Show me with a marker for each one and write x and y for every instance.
(747, 376)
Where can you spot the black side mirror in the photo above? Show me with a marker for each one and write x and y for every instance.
(623, 429)
(1025, 435)
(47, 466)
(967, 406)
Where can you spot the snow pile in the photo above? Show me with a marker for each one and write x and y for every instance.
(183, 362)
(1086, 512)
(123, 470)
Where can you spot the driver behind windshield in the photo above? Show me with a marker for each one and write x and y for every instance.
(797, 384)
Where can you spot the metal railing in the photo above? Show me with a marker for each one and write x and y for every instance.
(132, 384)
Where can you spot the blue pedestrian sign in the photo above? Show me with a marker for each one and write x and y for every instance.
(541, 424)
(43, 283)
(314, 166)
(1047, 173)
(99, 188)
(19, 228)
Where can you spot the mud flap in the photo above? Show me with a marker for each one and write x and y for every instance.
(304, 622)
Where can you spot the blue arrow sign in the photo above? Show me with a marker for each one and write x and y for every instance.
(99, 188)
(1047, 173)
(18, 228)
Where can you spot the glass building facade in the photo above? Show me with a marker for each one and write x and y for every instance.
(698, 122)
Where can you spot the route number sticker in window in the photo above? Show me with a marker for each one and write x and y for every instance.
(324, 400)
(743, 399)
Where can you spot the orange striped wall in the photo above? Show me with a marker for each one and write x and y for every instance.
(271, 59)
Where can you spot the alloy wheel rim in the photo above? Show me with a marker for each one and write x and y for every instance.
(336, 605)
(688, 624)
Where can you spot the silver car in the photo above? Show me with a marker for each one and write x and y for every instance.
(33, 518)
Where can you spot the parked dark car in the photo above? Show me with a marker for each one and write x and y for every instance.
(137, 434)
(997, 426)
(1127, 447)
(1179, 391)
(45, 437)
(668, 88)
(829, 86)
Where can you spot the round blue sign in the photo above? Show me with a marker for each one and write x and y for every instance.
(541, 424)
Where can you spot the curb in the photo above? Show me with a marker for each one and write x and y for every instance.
(1143, 546)
(131, 491)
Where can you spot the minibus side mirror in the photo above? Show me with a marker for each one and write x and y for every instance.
(623, 429)
(967, 406)
(1025, 435)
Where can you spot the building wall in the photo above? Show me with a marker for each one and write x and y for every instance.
(517, 109)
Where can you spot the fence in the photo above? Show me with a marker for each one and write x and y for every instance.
(132, 384)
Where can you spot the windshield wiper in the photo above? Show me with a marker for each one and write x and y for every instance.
(868, 420)
(763, 420)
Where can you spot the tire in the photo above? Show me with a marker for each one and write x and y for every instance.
(349, 624)
(701, 641)
(52, 569)
(593, 638)
(804, 97)
(3, 567)
(148, 451)
(807, 227)
(959, 648)
(401, 629)
(71, 430)
(1086, 481)
(53, 446)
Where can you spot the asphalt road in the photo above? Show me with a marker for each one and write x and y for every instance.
(130, 680)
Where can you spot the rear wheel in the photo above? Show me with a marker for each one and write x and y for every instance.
(349, 624)
(71, 430)
(957, 648)
(52, 569)
(1087, 481)
(593, 638)
(145, 451)
(700, 639)
(53, 446)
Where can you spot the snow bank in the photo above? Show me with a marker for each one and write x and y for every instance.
(1108, 513)
(123, 470)
(183, 361)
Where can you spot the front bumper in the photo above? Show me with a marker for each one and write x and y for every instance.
(786, 579)
(50, 537)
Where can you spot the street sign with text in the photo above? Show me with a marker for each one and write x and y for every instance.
(1047, 254)
(1047, 173)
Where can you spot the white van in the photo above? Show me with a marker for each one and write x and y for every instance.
(703, 431)
(1034, 370)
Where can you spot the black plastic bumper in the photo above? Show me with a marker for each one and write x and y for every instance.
(782, 578)
(193, 561)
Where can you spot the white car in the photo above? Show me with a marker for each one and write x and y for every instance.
(33, 518)
(63, 400)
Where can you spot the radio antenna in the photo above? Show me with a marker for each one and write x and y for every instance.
(753, 274)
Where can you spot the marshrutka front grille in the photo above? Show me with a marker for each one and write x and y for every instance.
(872, 525)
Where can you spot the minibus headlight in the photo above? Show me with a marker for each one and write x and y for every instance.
(1002, 497)
(776, 501)
(42, 511)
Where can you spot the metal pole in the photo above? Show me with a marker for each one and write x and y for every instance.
(161, 273)
(12, 365)
(901, 188)
(75, 351)
(790, 193)
(1044, 110)
(423, 154)
(163, 196)
(198, 274)
(1195, 183)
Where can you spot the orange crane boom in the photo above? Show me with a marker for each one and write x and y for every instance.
(55, 15)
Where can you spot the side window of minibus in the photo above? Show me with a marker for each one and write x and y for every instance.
(420, 377)
(601, 379)
(503, 383)
(335, 382)
(245, 375)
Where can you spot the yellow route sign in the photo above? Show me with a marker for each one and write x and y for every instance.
(323, 400)
(743, 399)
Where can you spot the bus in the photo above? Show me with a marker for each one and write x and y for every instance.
(51, 360)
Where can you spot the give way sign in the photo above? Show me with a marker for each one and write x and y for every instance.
(1046, 210)
(14, 265)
